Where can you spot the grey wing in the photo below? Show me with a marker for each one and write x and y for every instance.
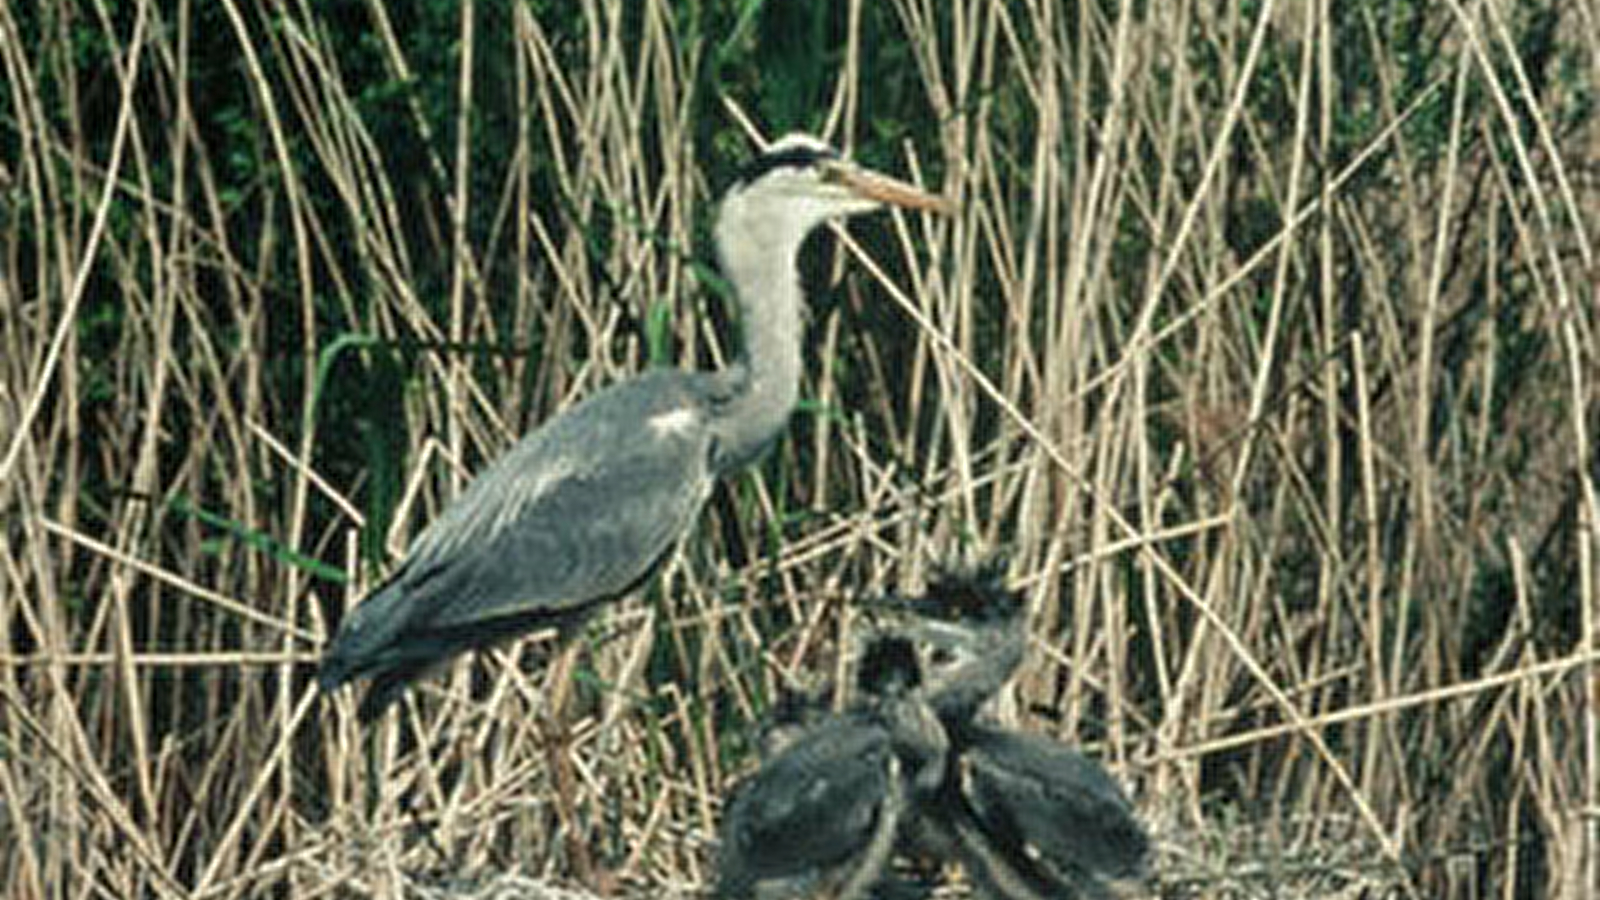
(821, 814)
(1056, 803)
(578, 512)
(590, 537)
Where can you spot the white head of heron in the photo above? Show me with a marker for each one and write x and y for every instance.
(800, 183)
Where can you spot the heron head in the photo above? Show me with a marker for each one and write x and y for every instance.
(970, 635)
(889, 667)
(798, 183)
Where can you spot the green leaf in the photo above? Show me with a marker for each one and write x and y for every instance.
(658, 333)
(259, 540)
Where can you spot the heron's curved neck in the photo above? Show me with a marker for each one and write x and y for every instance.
(760, 265)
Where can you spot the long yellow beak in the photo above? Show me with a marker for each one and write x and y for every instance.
(883, 189)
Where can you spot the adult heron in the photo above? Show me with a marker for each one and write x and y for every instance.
(823, 815)
(583, 509)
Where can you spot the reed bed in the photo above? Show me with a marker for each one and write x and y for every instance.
(1263, 346)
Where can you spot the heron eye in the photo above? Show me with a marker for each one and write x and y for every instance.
(943, 656)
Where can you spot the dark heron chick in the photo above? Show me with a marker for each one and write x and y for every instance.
(1031, 819)
(823, 815)
(583, 509)
(1025, 816)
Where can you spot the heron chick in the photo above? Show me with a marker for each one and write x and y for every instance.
(823, 815)
(585, 508)
(1032, 819)
(1026, 817)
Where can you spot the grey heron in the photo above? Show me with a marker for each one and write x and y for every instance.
(1025, 816)
(822, 816)
(584, 508)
